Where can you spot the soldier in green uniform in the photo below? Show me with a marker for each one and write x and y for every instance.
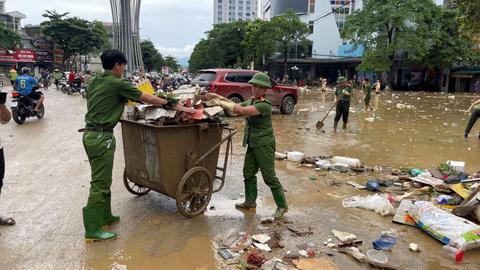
(367, 89)
(106, 98)
(260, 142)
(342, 98)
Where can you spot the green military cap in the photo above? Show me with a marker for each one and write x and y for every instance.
(261, 79)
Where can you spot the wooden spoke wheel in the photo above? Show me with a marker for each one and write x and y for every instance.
(194, 192)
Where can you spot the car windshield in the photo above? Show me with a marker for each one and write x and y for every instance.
(205, 76)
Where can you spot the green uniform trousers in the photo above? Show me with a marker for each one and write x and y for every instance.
(262, 158)
(100, 149)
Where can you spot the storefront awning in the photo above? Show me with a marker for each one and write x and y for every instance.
(465, 73)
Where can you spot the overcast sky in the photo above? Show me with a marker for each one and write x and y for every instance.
(174, 26)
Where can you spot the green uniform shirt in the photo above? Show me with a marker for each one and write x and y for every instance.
(368, 90)
(340, 89)
(106, 99)
(13, 76)
(57, 75)
(258, 128)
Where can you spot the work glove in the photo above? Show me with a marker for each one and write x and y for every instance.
(226, 104)
(212, 96)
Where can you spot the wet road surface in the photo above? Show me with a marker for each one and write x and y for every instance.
(47, 181)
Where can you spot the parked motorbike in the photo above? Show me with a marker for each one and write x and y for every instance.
(23, 107)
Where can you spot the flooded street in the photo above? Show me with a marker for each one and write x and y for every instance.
(47, 181)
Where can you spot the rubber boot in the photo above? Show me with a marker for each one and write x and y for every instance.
(92, 220)
(108, 218)
(344, 125)
(250, 196)
(335, 125)
(281, 202)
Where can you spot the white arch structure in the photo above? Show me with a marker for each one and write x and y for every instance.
(126, 33)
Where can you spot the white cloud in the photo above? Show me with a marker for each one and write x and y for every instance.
(176, 52)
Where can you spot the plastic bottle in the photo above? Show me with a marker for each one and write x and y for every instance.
(455, 253)
(352, 162)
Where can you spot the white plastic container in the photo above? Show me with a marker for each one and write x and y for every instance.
(352, 162)
(295, 156)
(458, 165)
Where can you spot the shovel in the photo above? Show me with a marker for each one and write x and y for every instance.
(320, 124)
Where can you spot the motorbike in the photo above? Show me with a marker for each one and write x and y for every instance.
(74, 88)
(23, 107)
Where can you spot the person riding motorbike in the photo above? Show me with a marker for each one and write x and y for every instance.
(25, 84)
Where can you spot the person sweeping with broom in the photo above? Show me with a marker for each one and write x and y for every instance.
(259, 140)
(342, 99)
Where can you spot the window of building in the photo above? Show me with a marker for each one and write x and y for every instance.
(332, 2)
(312, 6)
(310, 26)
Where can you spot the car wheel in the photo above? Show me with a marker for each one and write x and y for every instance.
(236, 100)
(288, 105)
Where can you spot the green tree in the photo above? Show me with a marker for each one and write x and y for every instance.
(446, 45)
(386, 27)
(171, 62)
(73, 35)
(152, 59)
(289, 30)
(8, 37)
(200, 58)
(226, 44)
(469, 17)
(259, 40)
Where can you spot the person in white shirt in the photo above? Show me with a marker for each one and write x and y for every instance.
(5, 117)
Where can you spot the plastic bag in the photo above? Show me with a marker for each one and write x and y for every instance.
(446, 227)
(378, 203)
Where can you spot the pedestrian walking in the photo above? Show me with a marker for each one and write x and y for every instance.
(367, 90)
(378, 87)
(57, 76)
(475, 114)
(324, 84)
(476, 88)
(5, 117)
(260, 142)
(342, 99)
(107, 96)
(13, 76)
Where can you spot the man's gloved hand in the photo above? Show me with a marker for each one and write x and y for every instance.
(226, 104)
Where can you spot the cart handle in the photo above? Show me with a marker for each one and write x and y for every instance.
(233, 131)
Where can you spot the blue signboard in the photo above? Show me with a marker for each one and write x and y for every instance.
(351, 50)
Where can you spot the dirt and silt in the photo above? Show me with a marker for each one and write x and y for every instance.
(47, 179)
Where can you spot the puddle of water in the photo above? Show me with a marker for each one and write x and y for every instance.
(196, 254)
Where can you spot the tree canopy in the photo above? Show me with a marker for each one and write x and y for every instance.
(469, 18)
(152, 59)
(8, 37)
(73, 35)
(236, 44)
(419, 30)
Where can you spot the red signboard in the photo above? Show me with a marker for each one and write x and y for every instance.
(26, 56)
(18, 56)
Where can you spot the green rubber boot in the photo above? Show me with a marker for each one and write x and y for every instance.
(92, 220)
(281, 202)
(108, 218)
(250, 196)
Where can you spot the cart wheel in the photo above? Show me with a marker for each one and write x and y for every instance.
(194, 192)
(134, 188)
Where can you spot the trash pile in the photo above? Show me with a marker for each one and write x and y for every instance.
(444, 201)
(255, 251)
(185, 106)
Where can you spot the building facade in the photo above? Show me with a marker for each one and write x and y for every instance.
(325, 18)
(225, 11)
